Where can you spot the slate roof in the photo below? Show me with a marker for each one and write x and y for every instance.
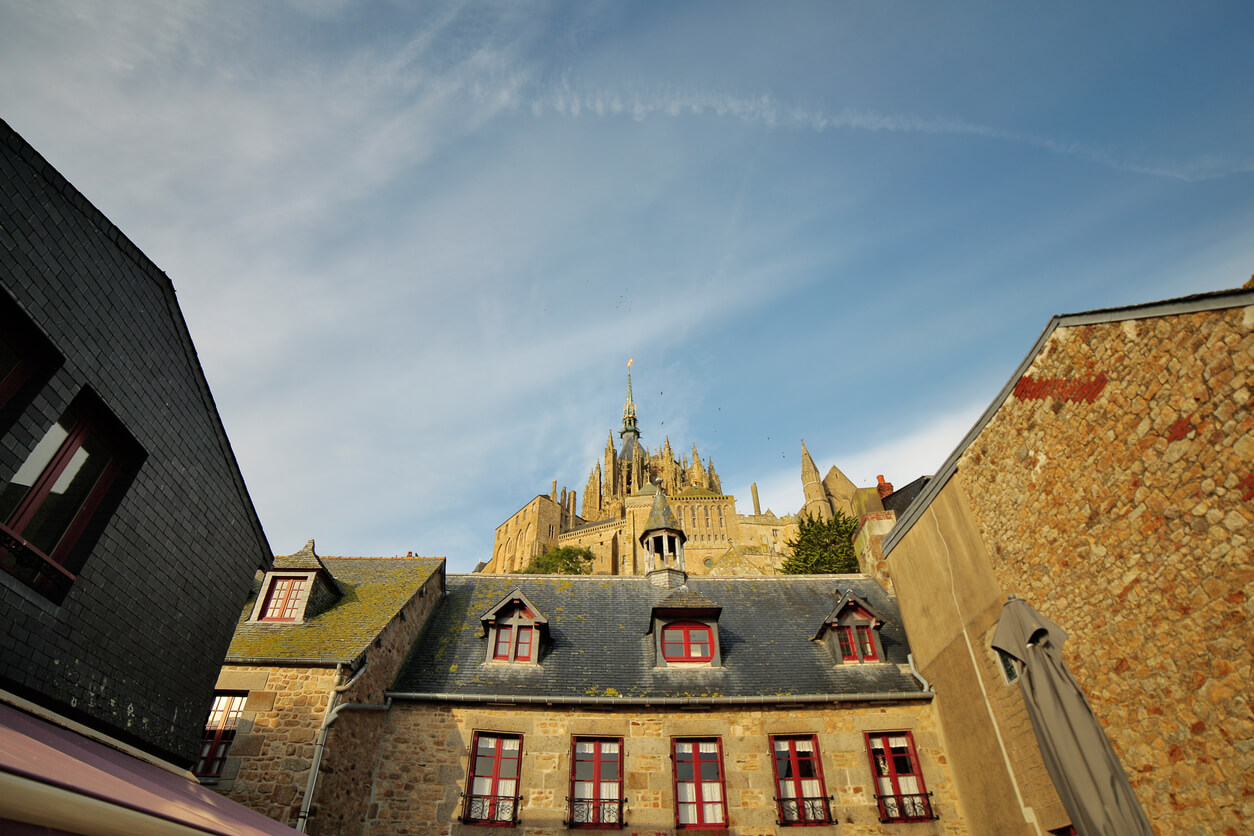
(375, 589)
(661, 516)
(600, 645)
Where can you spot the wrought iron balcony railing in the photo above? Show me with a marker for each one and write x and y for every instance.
(596, 812)
(491, 809)
(806, 810)
(913, 807)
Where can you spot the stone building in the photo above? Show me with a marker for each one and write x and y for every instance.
(127, 537)
(297, 717)
(1111, 485)
(740, 706)
(619, 494)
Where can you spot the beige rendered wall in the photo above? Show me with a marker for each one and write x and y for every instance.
(425, 753)
(1129, 520)
(950, 602)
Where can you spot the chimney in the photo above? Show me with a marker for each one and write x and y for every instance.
(757, 509)
(884, 488)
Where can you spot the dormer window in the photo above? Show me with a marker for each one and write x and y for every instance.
(510, 650)
(283, 599)
(687, 641)
(513, 628)
(298, 588)
(851, 631)
(685, 630)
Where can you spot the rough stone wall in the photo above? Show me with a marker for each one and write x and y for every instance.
(268, 766)
(341, 796)
(425, 754)
(1115, 491)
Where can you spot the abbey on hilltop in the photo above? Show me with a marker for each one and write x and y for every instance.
(619, 495)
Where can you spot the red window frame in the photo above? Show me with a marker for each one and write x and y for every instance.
(490, 798)
(848, 652)
(793, 768)
(282, 598)
(37, 538)
(220, 728)
(602, 772)
(683, 648)
(504, 634)
(897, 779)
(707, 806)
(525, 645)
(866, 642)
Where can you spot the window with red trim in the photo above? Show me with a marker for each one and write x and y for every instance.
(700, 792)
(504, 635)
(900, 792)
(492, 787)
(596, 782)
(847, 651)
(282, 599)
(687, 641)
(219, 733)
(526, 636)
(866, 644)
(50, 502)
(801, 796)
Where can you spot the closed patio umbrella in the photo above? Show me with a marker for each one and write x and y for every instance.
(1088, 776)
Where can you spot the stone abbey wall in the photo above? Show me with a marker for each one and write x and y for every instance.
(426, 748)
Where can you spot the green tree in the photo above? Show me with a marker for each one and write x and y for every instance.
(823, 547)
(567, 560)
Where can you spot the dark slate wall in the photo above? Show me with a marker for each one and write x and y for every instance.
(135, 646)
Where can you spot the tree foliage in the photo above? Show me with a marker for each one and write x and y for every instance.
(823, 547)
(566, 560)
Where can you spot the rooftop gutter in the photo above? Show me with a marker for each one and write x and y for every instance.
(757, 699)
(291, 661)
(1218, 300)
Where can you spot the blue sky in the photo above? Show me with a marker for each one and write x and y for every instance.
(416, 244)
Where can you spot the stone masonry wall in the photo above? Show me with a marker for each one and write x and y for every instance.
(425, 753)
(352, 746)
(268, 764)
(1115, 491)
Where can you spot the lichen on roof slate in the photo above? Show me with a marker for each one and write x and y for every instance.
(600, 643)
(375, 590)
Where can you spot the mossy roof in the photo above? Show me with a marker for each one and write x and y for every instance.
(599, 643)
(375, 590)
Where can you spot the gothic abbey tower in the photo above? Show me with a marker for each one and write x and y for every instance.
(621, 490)
(633, 467)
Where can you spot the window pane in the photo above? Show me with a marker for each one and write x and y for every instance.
(68, 493)
(34, 465)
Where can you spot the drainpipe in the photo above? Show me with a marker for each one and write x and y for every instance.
(327, 719)
(927, 686)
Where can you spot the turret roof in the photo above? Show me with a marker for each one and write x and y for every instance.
(661, 516)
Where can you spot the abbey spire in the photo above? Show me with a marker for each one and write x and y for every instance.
(629, 418)
(817, 504)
